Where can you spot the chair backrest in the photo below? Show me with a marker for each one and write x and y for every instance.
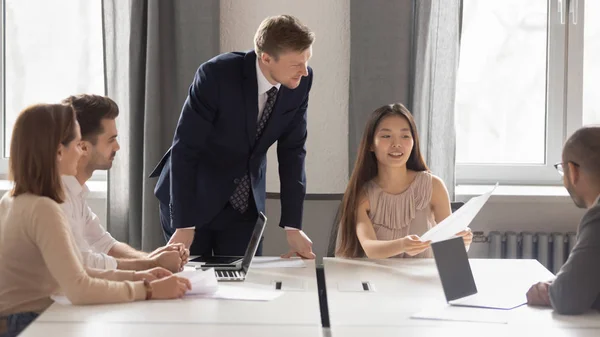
(455, 205)
(332, 242)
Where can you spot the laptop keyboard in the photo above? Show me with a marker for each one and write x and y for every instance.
(230, 275)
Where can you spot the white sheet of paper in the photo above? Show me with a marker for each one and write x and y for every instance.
(459, 220)
(203, 281)
(447, 312)
(61, 299)
(265, 262)
(234, 292)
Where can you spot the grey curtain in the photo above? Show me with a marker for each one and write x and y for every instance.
(380, 61)
(152, 49)
(436, 50)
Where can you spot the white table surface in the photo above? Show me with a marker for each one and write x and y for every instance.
(297, 307)
(103, 329)
(462, 331)
(406, 286)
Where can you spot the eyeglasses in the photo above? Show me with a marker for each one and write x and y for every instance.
(560, 167)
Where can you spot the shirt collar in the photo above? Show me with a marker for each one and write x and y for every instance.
(597, 199)
(73, 186)
(263, 84)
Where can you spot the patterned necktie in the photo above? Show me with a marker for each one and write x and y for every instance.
(239, 198)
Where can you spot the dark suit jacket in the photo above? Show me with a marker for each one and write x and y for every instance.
(576, 288)
(214, 144)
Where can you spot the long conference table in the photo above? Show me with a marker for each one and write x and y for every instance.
(396, 290)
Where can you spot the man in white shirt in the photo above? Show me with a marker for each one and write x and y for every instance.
(96, 116)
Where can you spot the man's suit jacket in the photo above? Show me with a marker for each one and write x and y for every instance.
(214, 144)
(576, 288)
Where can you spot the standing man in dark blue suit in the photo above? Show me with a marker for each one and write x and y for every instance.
(211, 182)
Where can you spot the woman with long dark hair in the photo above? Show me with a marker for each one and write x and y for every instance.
(391, 198)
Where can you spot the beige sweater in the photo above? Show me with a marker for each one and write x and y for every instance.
(38, 258)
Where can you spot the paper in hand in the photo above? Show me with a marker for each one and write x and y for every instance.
(203, 281)
(459, 220)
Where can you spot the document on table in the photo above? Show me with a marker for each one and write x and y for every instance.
(459, 220)
(243, 293)
(265, 262)
(203, 281)
(204, 284)
(447, 312)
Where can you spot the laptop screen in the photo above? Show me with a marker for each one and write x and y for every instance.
(259, 228)
(453, 266)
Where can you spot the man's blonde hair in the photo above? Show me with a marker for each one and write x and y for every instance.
(277, 34)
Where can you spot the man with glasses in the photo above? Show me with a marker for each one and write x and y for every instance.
(576, 288)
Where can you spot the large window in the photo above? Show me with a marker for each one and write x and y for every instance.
(50, 49)
(528, 77)
(591, 63)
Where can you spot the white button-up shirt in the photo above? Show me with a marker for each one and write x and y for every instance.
(91, 238)
(263, 86)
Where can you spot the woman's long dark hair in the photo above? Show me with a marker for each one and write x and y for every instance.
(365, 169)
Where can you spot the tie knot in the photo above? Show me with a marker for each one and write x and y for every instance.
(272, 92)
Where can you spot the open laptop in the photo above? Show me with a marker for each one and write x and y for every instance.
(457, 279)
(235, 268)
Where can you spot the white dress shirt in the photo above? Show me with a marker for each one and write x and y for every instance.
(91, 238)
(263, 86)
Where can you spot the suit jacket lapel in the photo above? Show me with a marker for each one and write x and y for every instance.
(250, 86)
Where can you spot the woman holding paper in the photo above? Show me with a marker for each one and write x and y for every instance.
(391, 198)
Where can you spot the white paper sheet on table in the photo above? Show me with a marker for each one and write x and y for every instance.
(203, 281)
(458, 220)
(277, 262)
(205, 285)
(463, 314)
(242, 293)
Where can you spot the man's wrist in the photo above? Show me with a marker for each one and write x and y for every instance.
(288, 228)
(152, 263)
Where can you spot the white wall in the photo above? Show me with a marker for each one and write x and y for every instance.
(327, 144)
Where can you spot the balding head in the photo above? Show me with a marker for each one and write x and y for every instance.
(583, 148)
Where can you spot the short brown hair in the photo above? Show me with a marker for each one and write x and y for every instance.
(583, 148)
(281, 33)
(91, 110)
(36, 136)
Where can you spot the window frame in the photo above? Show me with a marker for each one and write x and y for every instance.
(97, 175)
(3, 157)
(564, 94)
